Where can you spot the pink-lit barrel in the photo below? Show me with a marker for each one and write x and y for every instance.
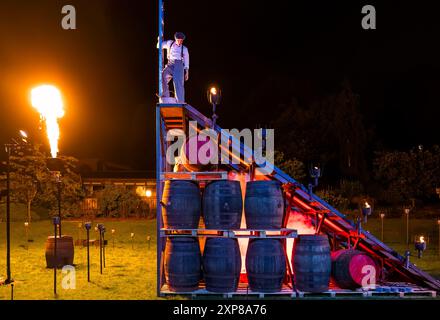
(350, 268)
(196, 154)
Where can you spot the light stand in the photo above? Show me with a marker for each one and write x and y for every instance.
(8, 215)
(407, 255)
(382, 216)
(26, 230)
(56, 222)
(366, 211)
(9, 147)
(406, 211)
(100, 228)
(88, 226)
(214, 98)
(315, 174)
(438, 222)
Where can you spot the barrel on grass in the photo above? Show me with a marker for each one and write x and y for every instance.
(181, 204)
(350, 268)
(311, 263)
(264, 205)
(199, 155)
(221, 264)
(182, 264)
(222, 205)
(265, 265)
(64, 254)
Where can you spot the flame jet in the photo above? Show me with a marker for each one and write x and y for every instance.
(47, 100)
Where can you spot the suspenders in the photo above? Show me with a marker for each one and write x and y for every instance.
(169, 51)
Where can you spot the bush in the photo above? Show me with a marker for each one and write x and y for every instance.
(118, 201)
(334, 198)
(293, 167)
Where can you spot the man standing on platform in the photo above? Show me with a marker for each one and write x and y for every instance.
(177, 67)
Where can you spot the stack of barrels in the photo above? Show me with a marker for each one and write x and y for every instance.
(220, 265)
(181, 207)
(222, 206)
(265, 258)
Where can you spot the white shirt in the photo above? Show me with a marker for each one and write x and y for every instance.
(175, 52)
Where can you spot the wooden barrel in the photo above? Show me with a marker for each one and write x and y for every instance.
(65, 251)
(221, 264)
(181, 204)
(182, 264)
(350, 267)
(222, 205)
(311, 263)
(265, 265)
(264, 205)
(193, 145)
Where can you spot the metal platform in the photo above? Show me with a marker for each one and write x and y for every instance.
(239, 233)
(287, 291)
(198, 176)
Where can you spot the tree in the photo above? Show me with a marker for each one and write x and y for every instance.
(27, 172)
(409, 174)
(31, 180)
(328, 131)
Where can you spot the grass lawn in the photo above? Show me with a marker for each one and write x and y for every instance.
(130, 272)
(395, 237)
(131, 268)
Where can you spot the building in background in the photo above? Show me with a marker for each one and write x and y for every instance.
(97, 174)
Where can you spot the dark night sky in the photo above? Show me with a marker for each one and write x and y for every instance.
(261, 53)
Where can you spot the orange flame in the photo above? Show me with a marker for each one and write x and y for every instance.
(422, 239)
(47, 100)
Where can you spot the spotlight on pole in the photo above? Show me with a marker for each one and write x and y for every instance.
(113, 237)
(407, 255)
(315, 173)
(366, 211)
(24, 136)
(26, 230)
(420, 246)
(132, 237)
(214, 97)
(101, 229)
